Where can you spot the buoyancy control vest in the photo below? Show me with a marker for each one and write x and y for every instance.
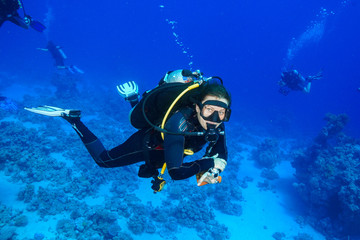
(156, 102)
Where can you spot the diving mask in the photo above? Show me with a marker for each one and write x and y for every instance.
(215, 111)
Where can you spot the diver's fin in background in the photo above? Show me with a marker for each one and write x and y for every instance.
(38, 26)
(78, 70)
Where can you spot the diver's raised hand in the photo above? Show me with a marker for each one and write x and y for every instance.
(129, 91)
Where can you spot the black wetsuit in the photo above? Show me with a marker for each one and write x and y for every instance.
(294, 81)
(147, 145)
(55, 53)
(8, 12)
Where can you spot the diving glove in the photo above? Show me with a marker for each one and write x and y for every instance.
(219, 164)
(129, 91)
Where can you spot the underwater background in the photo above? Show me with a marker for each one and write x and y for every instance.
(285, 178)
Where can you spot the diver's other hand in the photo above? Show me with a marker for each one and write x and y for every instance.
(209, 177)
(129, 91)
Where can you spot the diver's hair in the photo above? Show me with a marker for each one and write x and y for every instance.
(216, 90)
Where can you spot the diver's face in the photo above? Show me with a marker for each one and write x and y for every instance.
(208, 110)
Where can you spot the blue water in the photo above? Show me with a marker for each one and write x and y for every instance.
(247, 43)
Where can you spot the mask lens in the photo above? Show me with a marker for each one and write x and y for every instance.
(213, 113)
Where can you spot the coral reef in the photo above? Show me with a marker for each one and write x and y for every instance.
(60, 180)
(265, 186)
(269, 174)
(267, 154)
(334, 125)
(39, 236)
(328, 179)
(278, 236)
(7, 233)
(10, 220)
(136, 224)
(245, 180)
(65, 84)
(303, 236)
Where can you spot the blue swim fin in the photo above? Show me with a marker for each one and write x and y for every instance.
(38, 26)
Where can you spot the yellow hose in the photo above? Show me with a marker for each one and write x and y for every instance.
(186, 151)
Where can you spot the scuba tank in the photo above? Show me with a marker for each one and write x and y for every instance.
(152, 108)
(156, 102)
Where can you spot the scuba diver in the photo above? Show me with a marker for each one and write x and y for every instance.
(65, 77)
(59, 56)
(197, 109)
(7, 104)
(9, 12)
(293, 80)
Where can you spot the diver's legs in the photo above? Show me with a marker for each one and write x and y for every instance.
(16, 19)
(133, 150)
(307, 88)
(2, 20)
(91, 142)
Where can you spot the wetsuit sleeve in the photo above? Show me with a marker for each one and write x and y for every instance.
(174, 151)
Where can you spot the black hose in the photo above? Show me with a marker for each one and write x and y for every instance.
(23, 8)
